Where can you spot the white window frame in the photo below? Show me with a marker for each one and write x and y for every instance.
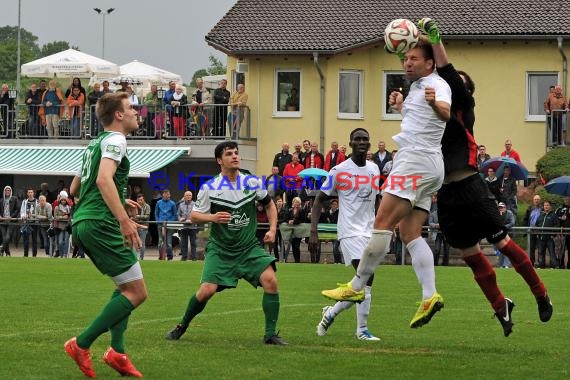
(352, 115)
(276, 111)
(529, 74)
(386, 94)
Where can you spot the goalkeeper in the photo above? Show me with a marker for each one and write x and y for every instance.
(464, 189)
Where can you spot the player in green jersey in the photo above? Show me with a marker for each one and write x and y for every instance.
(233, 251)
(102, 227)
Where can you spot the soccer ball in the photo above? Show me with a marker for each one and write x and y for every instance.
(400, 36)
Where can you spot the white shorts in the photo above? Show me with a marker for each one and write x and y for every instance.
(415, 176)
(134, 273)
(352, 248)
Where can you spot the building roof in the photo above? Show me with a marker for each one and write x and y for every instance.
(333, 26)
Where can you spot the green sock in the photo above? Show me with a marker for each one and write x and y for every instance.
(116, 310)
(118, 330)
(194, 308)
(270, 305)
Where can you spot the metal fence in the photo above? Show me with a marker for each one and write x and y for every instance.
(556, 128)
(208, 121)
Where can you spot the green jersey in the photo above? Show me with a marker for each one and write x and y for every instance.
(91, 205)
(238, 199)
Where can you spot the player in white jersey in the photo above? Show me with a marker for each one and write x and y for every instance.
(416, 174)
(356, 183)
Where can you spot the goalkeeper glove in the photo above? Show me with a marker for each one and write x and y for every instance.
(430, 29)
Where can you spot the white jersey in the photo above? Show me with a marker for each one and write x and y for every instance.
(421, 128)
(357, 188)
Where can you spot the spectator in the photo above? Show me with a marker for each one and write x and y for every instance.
(76, 102)
(333, 219)
(437, 234)
(142, 217)
(293, 183)
(282, 158)
(238, 102)
(9, 213)
(556, 107)
(165, 212)
(508, 189)
(200, 97)
(494, 185)
(509, 220)
(510, 152)
(189, 231)
(306, 150)
(153, 228)
(273, 184)
(370, 157)
(62, 217)
(43, 86)
(44, 215)
(482, 156)
(342, 149)
(382, 156)
(168, 98)
(262, 224)
(296, 215)
(106, 89)
(33, 100)
(280, 219)
(547, 219)
(388, 165)
(179, 111)
(221, 99)
(530, 219)
(152, 104)
(133, 98)
(124, 87)
(6, 108)
(315, 158)
(44, 190)
(333, 157)
(75, 82)
(563, 213)
(28, 214)
(93, 97)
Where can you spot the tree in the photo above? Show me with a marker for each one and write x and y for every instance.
(8, 59)
(10, 34)
(54, 47)
(216, 68)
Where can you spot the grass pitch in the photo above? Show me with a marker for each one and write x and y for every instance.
(44, 302)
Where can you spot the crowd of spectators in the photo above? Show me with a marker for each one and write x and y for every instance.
(53, 113)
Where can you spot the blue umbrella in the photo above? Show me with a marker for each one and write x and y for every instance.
(518, 170)
(315, 173)
(559, 186)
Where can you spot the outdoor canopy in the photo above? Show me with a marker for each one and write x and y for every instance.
(64, 161)
(149, 74)
(69, 63)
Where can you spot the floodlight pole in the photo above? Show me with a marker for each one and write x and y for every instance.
(18, 47)
(103, 13)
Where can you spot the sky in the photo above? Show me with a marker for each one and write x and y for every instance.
(166, 34)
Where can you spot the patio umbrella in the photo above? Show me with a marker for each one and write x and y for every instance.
(559, 186)
(518, 170)
(315, 173)
(68, 64)
(126, 79)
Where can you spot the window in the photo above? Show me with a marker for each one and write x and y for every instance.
(394, 81)
(350, 95)
(287, 97)
(239, 78)
(537, 84)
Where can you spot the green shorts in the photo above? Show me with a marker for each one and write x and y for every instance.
(226, 269)
(103, 242)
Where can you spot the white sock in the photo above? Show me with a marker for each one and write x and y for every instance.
(422, 261)
(362, 310)
(372, 256)
(339, 307)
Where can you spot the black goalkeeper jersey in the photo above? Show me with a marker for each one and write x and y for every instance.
(458, 144)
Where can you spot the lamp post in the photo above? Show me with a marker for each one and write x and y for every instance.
(104, 13)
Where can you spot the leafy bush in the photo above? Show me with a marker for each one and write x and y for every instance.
(554, 164)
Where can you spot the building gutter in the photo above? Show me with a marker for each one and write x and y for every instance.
(564, 65)
(322, 105)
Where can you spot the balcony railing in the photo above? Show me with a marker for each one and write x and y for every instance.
(209, 121)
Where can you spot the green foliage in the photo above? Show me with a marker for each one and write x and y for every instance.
(10, 34)
(462, 341)
(54, 47)
(554, 163)
(216, 68)
(8, 59)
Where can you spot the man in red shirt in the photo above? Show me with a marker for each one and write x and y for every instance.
(293, 182)
(510, 152)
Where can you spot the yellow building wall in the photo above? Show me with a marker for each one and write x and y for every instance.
(498, 69)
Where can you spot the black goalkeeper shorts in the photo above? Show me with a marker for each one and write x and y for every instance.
(468, 212)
